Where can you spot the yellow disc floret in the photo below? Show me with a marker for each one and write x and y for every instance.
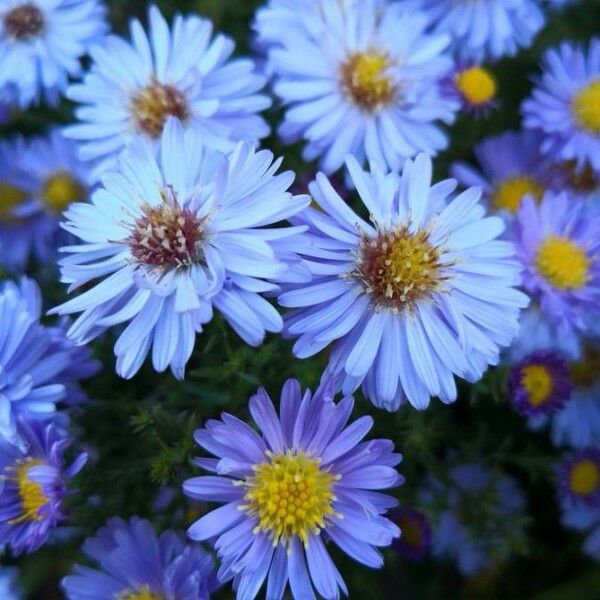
(142, 593)
(538, 383)
(509, 193)
(10, 197)
(31, 493)
(151, 107)
(562, 263)
(476, 85)
(290, 495)
(364, 80)
(586, 107)
(584, 477)
(60, 190)
(399, 267)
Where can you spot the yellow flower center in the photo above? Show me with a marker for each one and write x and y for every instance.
(538, 383)
(365, 82)
(510, 192)
(10, 197)
(31, 493)
(399, 268)
(562, 263)
(60, 190)
(586, 107)
(154, 104)
(142, 593)
(476, 84)
(584, 477)
(290, 496)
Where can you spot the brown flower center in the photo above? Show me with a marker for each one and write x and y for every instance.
(24, 22)
(154, 104)
(167, 236)
(399, 268)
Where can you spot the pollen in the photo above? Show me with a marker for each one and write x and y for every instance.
(24, 22)
(399, 268)
(538, 382)
(167, 236)
(142, 593)
(586, 107)
(584, 477)
(510, 192)
(154, 104)
(31, 493)
(10, 198)
(476, 85)
(562, 263)
(60, 190)
(365, 82)
(290, 495)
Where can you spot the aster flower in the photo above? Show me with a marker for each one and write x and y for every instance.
(573, 367)
(415, 537)
(41, 42)
(511, 168)
(420, 292)
(305, 479)
(39, 367)
(565, 105)
(136, 564)
(478, 515)
(578, 483)
(132, 88)
(474, 86)
(171, 238)
(35, 479)
(557, 244)
(363, 79)
(40, 179)
(539, 384)
(485, 29)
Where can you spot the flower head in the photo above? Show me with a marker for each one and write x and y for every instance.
(420, 291)
(305, 479)
(579, 477)
(485, 29)
(565, 105)
(510, 169)
(41, 42)
(478, 515)
(39, 367)
(415, 532)
(34, 485)
(557, 244)
(40, 180)
(540, 383)
(136, 564)
(475, 86)
(367, 83)
(133, 88)
(170, 237)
